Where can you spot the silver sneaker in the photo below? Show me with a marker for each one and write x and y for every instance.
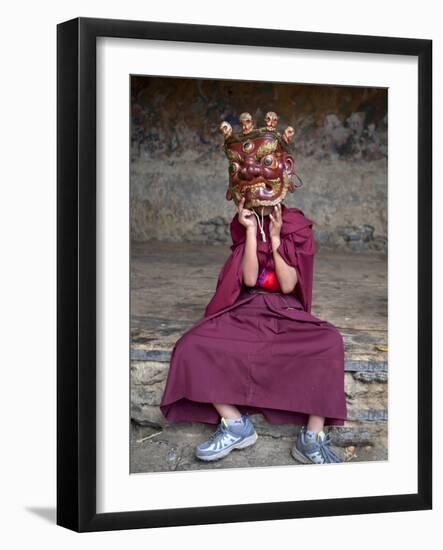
(227, 438)
(313, 449)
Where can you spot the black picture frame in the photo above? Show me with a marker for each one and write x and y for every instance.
(76, 273)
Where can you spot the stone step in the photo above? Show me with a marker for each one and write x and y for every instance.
(366, 393)
(374, 397)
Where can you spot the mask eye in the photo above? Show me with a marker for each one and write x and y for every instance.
(233, 168)
(268, 160)
(247, 146)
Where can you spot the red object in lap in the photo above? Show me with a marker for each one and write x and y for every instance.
(268, 279)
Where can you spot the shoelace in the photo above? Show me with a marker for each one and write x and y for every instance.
(218, 431)
(326, 452)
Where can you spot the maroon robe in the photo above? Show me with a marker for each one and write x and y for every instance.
(258, 349)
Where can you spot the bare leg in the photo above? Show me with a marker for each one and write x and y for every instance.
(227, 411)
(315, 423)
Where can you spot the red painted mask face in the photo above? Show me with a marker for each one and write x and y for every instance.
(260, 165)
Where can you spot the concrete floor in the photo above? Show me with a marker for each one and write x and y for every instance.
(171, 283)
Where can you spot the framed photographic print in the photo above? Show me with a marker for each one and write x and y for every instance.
(244, 274)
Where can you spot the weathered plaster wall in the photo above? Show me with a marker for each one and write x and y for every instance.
(179, 171)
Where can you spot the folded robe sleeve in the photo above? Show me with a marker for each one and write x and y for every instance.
(229, 281)
(298, 250)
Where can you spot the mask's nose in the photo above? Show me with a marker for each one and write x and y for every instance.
(250, 170)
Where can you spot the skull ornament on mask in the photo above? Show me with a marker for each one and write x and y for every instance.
(260, 164)
(246, 123)
(271, 121)
(226, 129)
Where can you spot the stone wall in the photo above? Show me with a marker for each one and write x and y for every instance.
(179, 171)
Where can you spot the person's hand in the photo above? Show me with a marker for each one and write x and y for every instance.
(276, 223)
(246, 217)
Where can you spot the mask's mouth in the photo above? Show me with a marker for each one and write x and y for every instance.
(259, 189)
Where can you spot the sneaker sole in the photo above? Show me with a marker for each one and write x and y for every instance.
(300, 457)
(247, 442)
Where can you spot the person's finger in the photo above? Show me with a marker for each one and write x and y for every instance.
(240, 205)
